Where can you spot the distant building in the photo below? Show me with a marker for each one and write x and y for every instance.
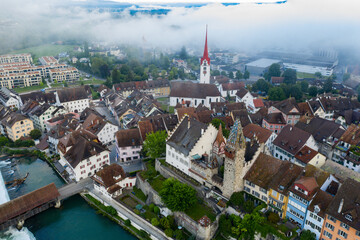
(9, 98)
(69, 74)
(205, 64)
(48, 60)
(260, 66)
(16, 58)
(157, 88)
(230, 89)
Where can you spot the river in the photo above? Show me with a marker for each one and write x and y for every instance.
(74, 220)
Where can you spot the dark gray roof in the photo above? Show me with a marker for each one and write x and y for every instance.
(39, 97)
(193, 90)
(321, 129)
(186, 135)
(286, 105)
(291, 139)
(72, 94)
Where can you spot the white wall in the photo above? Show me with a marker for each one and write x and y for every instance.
(107, 134)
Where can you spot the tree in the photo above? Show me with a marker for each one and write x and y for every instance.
(307, 235)
(231, 75)
(304, 86)
(274, 71)
(225, 225)
(127, 222)
(249, 206)
(290, 76)
(313, 91)
(178, 234)
(155, 222)
(115, 76)
(183, 54)
(86, 49)
(177, 196)
(238, 75)
(155, 144)
(293, 91)
(216, 122)
(165, 223)
(246, 227)
(35, 134)
(215, 73)
(223, 73)
(276, 94)
(156, 210)
(328, 85)
(273, 217)
(318, 75)
(261, 85)
(246, 74)
(168, 232)
(237, 199)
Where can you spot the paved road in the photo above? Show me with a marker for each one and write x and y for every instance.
(74, 188)
(132, 216)
(132, 166)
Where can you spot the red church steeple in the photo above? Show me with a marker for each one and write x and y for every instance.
(206, 53)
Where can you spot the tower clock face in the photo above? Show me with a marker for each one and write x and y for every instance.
(204, 72)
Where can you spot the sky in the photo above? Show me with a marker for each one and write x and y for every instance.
(296, 24)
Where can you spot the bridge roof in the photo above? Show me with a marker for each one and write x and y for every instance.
(27, 202)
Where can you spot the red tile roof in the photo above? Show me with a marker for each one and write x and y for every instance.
(258, 103)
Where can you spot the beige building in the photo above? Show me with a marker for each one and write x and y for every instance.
(16, 126)
(15, 58)
(69, 74)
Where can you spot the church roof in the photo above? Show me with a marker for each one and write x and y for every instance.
(219, 137)
(206, 52)
(193, 90)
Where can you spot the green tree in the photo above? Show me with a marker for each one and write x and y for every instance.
(238, 75)
(127, 222)
(328, 85)
(156, 210)
(318, 75)
(276, 94)
(179, 234)
(3, 141)
(86, 49)
(273, 217)
(168, 232)
(231, 75)
(223, 73)
(165, 223)
(155, 222)
(177, 196)
(246, 228)
(293, 91)
(274, 71)
(304, 86)
(313, 91)
(261, 85)
(246, 74)
(249, 206)
(290, 76)
(183, 54)
(237, 199)
(35, 134)
(215, 73)
(216, 122)
(225, 225)
(115, 76)
(155, 144)
(307, 235)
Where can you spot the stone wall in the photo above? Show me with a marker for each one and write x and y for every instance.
(153, 196)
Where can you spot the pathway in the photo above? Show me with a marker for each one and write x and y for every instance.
(132, 216)
(74, 188)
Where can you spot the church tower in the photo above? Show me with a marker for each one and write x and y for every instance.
(234, 160)
(205, 64)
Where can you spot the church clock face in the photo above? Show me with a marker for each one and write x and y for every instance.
(204, 72)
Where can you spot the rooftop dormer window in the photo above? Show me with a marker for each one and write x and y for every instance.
(348, 217)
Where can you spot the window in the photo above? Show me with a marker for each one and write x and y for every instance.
(281, 197)
(344, 226)
(329, 226)
(264, 198)
(327, 234)
(357, 233)
(342, 233)
(332, 219)
(348, 217)
(263, 190)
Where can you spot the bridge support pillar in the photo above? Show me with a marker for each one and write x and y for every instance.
(20, 224)
(58, 204)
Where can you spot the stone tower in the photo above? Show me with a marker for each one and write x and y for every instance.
(205, 64)
(234, 161)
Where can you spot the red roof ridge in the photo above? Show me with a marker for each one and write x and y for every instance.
(206, 53)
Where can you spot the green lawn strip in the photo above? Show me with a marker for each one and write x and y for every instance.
(31, 88)
(305, 75)
(139, 194)
(199, 210)
(157, 183)
(132, 203)
(46, 50)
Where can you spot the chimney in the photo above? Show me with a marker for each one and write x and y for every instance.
(290, 128)
(189, 123)
(341, 205)
(202, 131)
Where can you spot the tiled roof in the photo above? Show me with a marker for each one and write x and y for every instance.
(275, 118)
(72, 94)
(232, 86)
(306, 154)
(261, 133)
(39, 97)
(111, 174)
(258, 103)
(12, 118)
(346, 204)
(286, 175)
(193, 90)
(351, 135)
(241, 92)
(291, 139)
(287, 105)
(322, 200)
(128, 137)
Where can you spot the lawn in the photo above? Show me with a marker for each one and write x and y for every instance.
(305, 75)
(138, 193)
(29, 89)
(54, 85)
(199, 210)
(132, 203)
(162, 99)
(157, 182)
(45, 50)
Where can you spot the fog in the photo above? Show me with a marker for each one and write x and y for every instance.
(297, 25)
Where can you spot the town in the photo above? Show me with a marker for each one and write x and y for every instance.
(181, 147)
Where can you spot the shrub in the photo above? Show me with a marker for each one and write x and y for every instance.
(111, 210)
(136, 211)
(249, 206)
(35, 134)
(127, 222)
(237, 199)
(273, 217)
(151, 207)
(156, 210)
(168, 232)
(179, 234)
(165, 223)
(143, 234)
(155, 222)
